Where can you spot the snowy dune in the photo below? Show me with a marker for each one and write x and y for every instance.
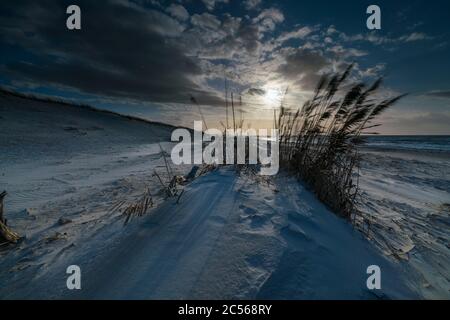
(50, 150)
(69, 171)
(62, 163)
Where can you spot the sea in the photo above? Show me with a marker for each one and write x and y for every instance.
(412, 143)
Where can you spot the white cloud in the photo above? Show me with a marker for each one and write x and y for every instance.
(211, 4)
(331, 30)
(346, 52)
(205, 21)
(415, 36)
(178, 11)
(380, 40)
(373, 72)
(252, 4)
(272, 13)
(269, 18)
(296, 34)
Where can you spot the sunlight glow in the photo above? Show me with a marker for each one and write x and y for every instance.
(272, 97)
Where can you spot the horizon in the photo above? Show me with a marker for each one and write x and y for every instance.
(54, 99)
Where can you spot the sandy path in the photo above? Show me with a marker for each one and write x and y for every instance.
(165, 255)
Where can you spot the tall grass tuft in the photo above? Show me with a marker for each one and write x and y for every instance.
(319, 141)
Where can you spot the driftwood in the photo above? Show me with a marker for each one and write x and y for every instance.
(6, 234)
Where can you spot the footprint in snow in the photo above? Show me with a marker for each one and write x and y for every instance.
(254, 220)
(246, 192)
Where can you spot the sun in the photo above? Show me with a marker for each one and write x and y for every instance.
(272, 97)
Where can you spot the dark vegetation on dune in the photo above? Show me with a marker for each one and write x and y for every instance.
(319, 141)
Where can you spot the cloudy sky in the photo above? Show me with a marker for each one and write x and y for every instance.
(149, 57)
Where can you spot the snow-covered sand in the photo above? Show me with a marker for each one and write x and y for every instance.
(407, 195)
(62, 163)
(232, 235)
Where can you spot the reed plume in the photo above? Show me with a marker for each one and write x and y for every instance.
(319, 141)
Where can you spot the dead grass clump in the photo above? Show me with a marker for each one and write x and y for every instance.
(139, 208)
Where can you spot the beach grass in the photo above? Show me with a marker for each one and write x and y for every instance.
(319, 140)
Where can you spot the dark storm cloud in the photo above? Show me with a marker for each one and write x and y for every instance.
(121, 51)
